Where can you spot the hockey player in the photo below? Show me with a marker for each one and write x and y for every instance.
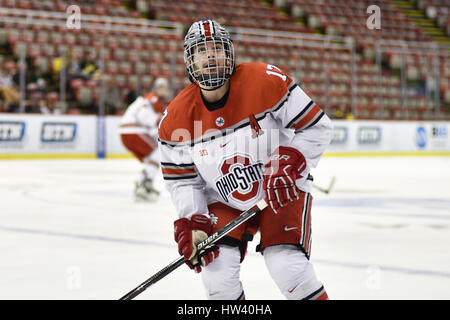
(234, 136)
(139, 134)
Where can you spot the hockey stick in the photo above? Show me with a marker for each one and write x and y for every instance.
(330, 186)
(244, 216)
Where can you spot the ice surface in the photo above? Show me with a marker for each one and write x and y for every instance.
(70, 229)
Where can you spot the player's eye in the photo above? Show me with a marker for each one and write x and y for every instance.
(201, 49)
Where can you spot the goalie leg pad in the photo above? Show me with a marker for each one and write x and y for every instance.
(293, 273)
(221, 277)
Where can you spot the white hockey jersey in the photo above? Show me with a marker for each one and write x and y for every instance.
(142, 116)
(219, 156)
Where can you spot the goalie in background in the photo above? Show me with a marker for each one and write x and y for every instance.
(139, 134)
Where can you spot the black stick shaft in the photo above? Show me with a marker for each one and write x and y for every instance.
(210, 240)
(153, 279)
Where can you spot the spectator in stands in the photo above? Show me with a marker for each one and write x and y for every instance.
(72, 65)
(33, 103)
(49, 104)
(38, 85)
(8, 91)
(33, 81)
(57, 64)
(89, 66)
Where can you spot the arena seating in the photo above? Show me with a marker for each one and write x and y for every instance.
(124, 56)
(348, 18)
(439, 10)
(112, 8)
(324, 72)
(249, 14)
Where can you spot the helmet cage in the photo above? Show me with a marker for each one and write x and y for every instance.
(208, 54)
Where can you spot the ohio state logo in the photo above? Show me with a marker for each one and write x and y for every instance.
(240, 179)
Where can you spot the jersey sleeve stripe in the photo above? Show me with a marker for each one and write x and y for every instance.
(175, 166)
(308, 118)
(300, 116)
(315, 120)
(168, 171)
(179, 177)
(134, 124)
(173, 171)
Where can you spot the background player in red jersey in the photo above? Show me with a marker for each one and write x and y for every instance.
(217, 161)
(138, 132)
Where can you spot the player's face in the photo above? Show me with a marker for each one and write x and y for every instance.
(210, 58)
(162, 92)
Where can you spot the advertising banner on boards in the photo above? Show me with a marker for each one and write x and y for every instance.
(65, 136)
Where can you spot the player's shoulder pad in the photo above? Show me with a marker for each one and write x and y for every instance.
(265, 76)
(267, 85)
(260, 72)
(176, 118)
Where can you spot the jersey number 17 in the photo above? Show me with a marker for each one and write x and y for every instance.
(272, 70)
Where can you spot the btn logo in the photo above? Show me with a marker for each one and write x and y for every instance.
(58, 131)
(12, 131)
(369, 135)
(339, 135)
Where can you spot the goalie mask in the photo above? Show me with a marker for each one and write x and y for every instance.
(208, 54)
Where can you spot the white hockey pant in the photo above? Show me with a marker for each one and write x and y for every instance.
(292, 272)
(148, 163)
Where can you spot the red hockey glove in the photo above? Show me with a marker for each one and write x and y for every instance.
(284, 167)
(189, 233)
